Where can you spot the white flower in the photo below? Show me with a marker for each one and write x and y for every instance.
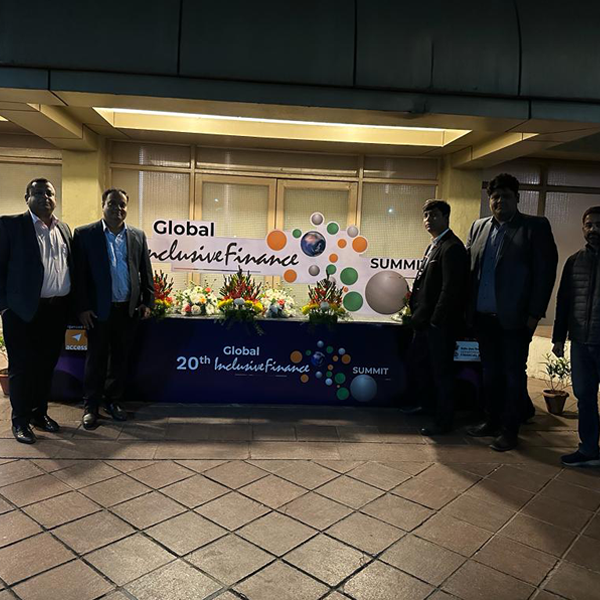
(324, 306)
(239, 301)
(183, 311)
(196, 310)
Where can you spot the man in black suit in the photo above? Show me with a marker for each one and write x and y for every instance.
(35, 282)
(114, 290)
(437, 308)
(513, 268)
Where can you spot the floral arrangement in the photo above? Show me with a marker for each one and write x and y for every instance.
(163, 301)
(196, 301)
(278, 303)
(404, 315)
(239, 299)
(325, 303)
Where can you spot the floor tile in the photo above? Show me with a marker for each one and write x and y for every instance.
(422, 559)
(5, 506)
(176, 580)
(273, 491)
(271, 465)
(409, 467)
(585, 553)
(315, 510)
(453, 534)
(194, 491)
(505, 495)
(113, 491)
(512, 558)
(379, 581)
(589, 478)
(295, 450)
(281, 582)
(235, 474)
(449, 476)
(18, 470)
(203, 450)
(276, 533)
(161, 474)
(526, 480)
(72, 581)
(593, 528)
(378, 475)
(350, 491)
(398, 511)
(574, 583)
(274, 433)
(316, 433)
(557, 513)
(307, 474)
(15, 526)
(34, 490)
(326, 559)
(200, 465)
(31, 556)
(474, 581)
(95, 531)
(230, 559)
(539, 535)
(425, 493)
(129, 559)
(185, 533)
(127, 466)
(365, 533)
(341, 466)
(61, 509)
(572, 494)
(477, 512)
(148, 510)
(232, 510)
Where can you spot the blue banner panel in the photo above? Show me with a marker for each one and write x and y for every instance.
(201, 360)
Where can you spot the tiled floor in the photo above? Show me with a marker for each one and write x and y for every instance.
(274, 503)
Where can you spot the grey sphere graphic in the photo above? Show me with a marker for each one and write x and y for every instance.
(363, 388)
(385, 292)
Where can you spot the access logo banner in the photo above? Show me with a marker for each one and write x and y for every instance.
(76, 339)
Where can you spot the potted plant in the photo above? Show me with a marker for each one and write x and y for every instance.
(325, 303)
(3, 372)
(558, 375)
(239, 300)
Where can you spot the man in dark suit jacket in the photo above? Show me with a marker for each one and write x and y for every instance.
(114, 290)
(35, 282)
(437, 307)
(513, 268)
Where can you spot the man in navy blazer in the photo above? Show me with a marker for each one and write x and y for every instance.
(114, 290)
(35, 283)
(513, 267)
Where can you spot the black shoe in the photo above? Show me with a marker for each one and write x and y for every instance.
(528, 416)
(45, 423)
(484, 429)
(504, 442)
(23, 434)
(416, 409)
(89, 419)
(116, 412)
(434, 430)
(577, 459)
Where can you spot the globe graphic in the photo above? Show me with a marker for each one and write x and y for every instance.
(317, 359)
(313, 243)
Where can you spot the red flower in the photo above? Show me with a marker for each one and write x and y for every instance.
(188, 308)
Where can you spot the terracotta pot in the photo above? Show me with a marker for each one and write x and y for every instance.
(555, 401)
(4, 380)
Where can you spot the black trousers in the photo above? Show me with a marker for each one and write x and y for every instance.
(33, 349)
(504, 355)
(432, 372)
(107, 359)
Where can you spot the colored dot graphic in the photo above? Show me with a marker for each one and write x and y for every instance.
(349, 276)
(333, 258)
(331, 269)
(342, 243)
(308, 352)
(342, 394)
(304, 378)
(276, 240)
(290, 276)
(340, 378)
(297, 233)
(296, 356)
(353, 301)
(329, 349)
(346, 359)
(332, 228)
(359, 244)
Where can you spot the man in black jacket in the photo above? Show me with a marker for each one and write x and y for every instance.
(437, 307)
(578, 315)
(35, 282)
(114, 290)
(513, 268)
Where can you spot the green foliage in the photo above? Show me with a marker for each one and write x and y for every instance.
(558, 372)
(3, 347)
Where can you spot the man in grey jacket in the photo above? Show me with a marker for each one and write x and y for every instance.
(578, 315)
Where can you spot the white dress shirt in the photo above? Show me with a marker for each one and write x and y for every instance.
(54, 254)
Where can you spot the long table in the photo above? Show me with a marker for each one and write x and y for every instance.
(191, 359)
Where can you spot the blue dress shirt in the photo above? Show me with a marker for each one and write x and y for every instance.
(486, 296)
(117, 258)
